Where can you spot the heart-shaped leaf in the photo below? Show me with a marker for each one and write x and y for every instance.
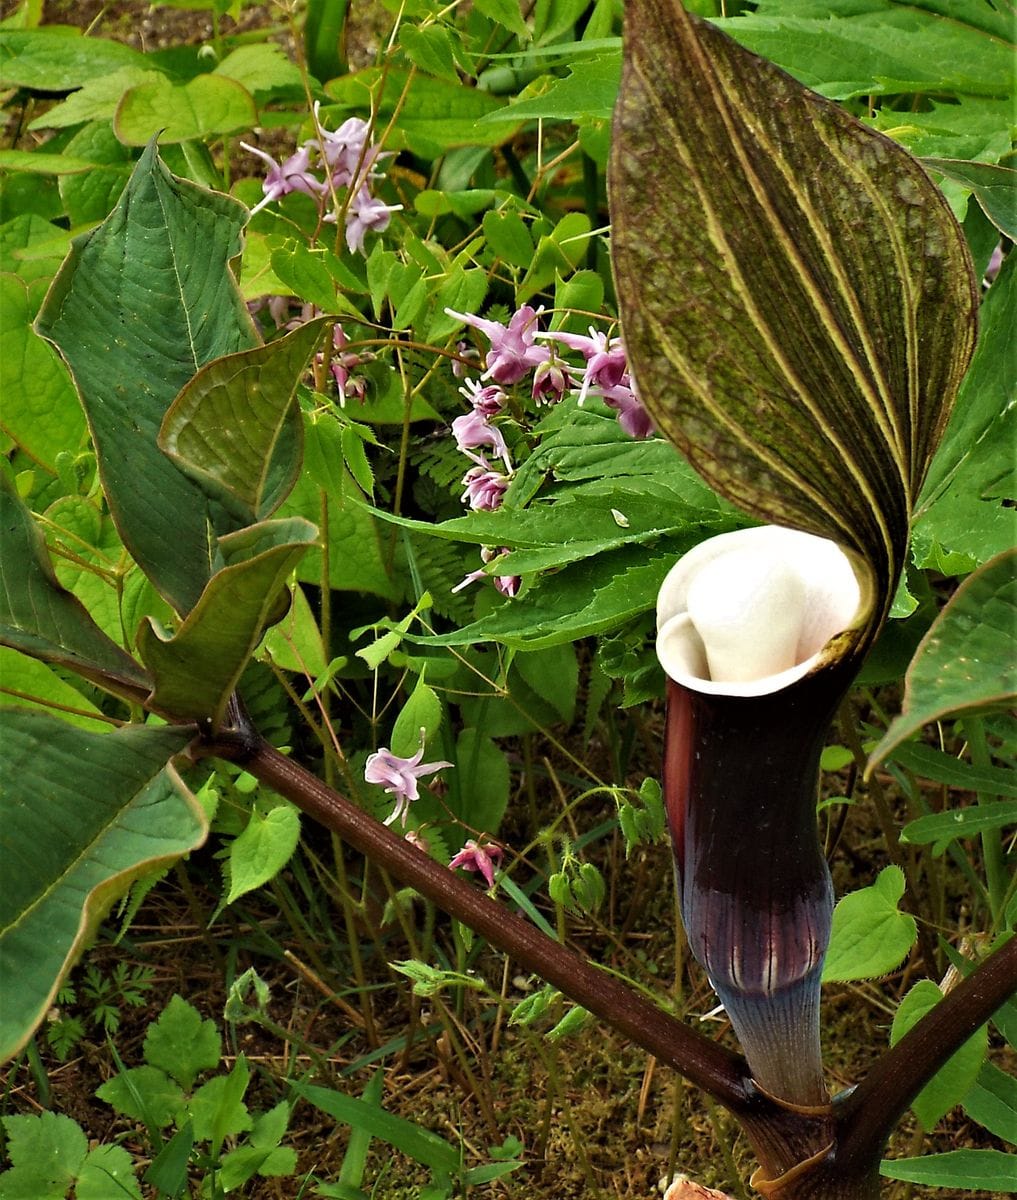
(803, 336)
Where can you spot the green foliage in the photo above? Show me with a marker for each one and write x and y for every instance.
(870, 935)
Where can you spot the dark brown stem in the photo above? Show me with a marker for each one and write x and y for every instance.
(710, 1066)
(867, 1114)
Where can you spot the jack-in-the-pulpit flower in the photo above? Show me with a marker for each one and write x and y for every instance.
(482, 857)
(752, 632)
(399, 776)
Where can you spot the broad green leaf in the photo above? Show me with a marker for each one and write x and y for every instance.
(122, 313)
(58, 59)
(96, 100)
(145, 1093)
(196, 669)
(995, 188)
(803, 336)
(260, 69)
(430, 48)
(953, 1080)
(182, 1043)
(262, 850)
(587, 597)
(107, 1172)
(32, 248)
(945, 827)
(968, 659)
(414, 1140)
(954, 772)
(589, 90)
(845, 49)
(90, 197)
(118, 811)
(41, 618)
(422, 711)
(295, 642)
(991, 1170)
(46, 1152)
(992, 1102)
(32, 684)
(207, 106)
(324, 38)
(40, 410)
(217, 1107)
(40, 163)
(554, 676)
(870, 935)
(225, 425)
(976, 458)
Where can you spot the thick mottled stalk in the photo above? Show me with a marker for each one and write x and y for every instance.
(740, 781)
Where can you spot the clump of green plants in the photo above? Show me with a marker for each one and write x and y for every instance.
(406, 461)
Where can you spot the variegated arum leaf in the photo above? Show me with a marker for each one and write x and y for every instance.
(196, 670)
(41, 618)
(802, 339)
(227, 425)
(141, 303)
(65, 861)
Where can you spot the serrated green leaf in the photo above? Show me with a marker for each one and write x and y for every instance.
(508, 236)
(945, 827)
(954, 1078)
(260, 69)
(589, 90)
(182, 1043)
(47, 1151)
(41, 618)
(226, 424)
(107, 1174)
(262, 850)
(58, 59)
(204, 107)
(217, 1108)
(196, 670)
(821, 241)
(944, 768)
(122, 313)
(40, 410)
(505, 13)
(120, 814)
(145, 1093)
(994, 186)
(430, 48)
(968, 659)
(991, 1170)
(870, 935)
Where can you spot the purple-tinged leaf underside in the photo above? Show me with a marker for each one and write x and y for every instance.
(797, 300)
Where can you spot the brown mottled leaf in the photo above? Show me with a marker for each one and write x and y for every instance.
(797, 300)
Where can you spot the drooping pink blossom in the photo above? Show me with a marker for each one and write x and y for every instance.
(632, 416)
(481, 856)
(343, 365)
(292, 175)
(489, 400)
(508, 585)
(605, 358)
(366, 213)
(467, 357)
(399, 776)
(485, 488)
(473, 430)
(551, 380)
(513, 352)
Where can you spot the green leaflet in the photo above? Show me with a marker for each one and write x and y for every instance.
(43, 619)
(56, 889)
(968, 659)
(974, 1169)
(226, 424)
(121, 311)
(196, 670)
(804, 337)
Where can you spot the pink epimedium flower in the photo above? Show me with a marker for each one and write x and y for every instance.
(292, 175)
(508, 585)
(488, 400)
(467, 357)
(366, 213)
(399, 776)
(632, 416)
(473, 430)
(513, 352)
(342, 366)
(605, 358)
(485, 488)
(481, 856)
(551, 381)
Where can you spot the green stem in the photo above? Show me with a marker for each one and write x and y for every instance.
(992, 845)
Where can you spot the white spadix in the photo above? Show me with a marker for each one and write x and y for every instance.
(749, 612)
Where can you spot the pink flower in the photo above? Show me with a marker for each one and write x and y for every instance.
(479, 856)
(293, 175)
(485, 488)
(488, 400)
(342, 365)
(508, 585)
(473, 430)
(605, 359)
(632, 417)
(550, 382)
(513, 353)
(399, 776)
(467, 356)
(365, 213)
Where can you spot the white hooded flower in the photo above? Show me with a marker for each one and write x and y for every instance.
(750, 612)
